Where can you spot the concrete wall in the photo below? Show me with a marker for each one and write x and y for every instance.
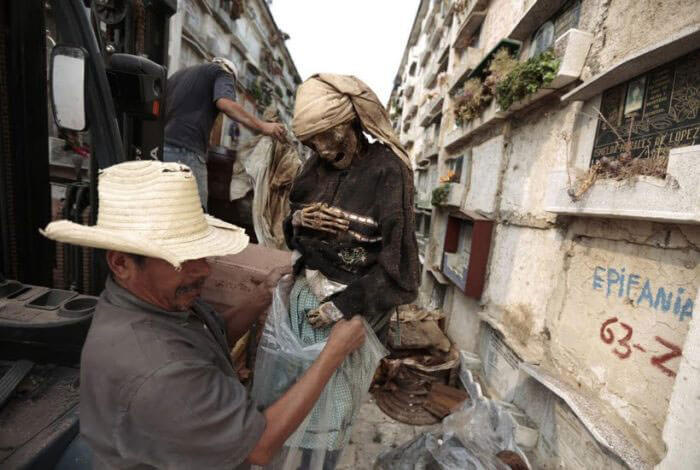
(602, 304)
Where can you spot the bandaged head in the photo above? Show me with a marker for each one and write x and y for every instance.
(325, 101)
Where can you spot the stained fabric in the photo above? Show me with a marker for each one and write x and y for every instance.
(268, 167)
(379, 275)
(326, 100)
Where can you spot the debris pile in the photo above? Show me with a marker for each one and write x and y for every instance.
(414, 384)
(425, 380)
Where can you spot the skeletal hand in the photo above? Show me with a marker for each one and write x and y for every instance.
(319, 216)
(326, 313)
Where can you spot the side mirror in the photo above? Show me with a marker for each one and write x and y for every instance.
(68, 87)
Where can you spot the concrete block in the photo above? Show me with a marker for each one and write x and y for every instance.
(491, 116)
(487, 164)
(463, 321)
(674, 199)
(572, 47)
(533, 151)
(684, 408)
(500, 364)
(524, 275)
(622, 325)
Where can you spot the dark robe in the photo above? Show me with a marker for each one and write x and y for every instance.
(379, 264)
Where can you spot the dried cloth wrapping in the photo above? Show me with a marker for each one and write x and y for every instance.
(288, 347)
(268, 167)
(326, 100)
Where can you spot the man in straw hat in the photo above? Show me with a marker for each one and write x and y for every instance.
(351, 227)
(195, 97)
(158, 389)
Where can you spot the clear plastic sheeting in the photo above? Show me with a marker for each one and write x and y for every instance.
(430, 452)
(473, 439)
(282, 359)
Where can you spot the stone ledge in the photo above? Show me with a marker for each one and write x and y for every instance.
(677, 45)
(674, 199)
(492, 115)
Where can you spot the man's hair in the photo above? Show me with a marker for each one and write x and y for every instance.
(140, 260)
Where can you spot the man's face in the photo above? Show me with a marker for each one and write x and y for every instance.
(158, 282)
(337, 145)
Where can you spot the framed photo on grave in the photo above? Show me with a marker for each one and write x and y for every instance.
(652, 113)
(635, 95)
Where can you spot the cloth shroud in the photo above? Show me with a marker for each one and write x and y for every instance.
(326, 100)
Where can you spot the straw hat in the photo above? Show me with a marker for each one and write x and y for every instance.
(152, 208)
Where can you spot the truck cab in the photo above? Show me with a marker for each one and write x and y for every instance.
(82, 87)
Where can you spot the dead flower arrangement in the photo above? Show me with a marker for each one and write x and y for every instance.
(477, 94)
(449, 177)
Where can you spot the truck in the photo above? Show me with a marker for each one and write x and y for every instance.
(82, 87)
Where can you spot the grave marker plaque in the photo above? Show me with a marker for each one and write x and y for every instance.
(667, 117)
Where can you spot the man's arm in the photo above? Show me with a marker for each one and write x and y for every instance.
(236, 112)
(286, 414)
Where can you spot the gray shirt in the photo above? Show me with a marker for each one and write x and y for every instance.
(191, 104)
(158, 389)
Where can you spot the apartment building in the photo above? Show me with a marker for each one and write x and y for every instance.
(556, 151)
(245, 32)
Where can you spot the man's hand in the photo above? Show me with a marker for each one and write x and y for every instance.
(320, 216)
(275, 130)
(346, 336)
(326, 314)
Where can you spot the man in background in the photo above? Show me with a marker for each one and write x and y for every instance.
(195, 96)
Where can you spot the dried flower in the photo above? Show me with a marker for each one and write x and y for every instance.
(450, 177)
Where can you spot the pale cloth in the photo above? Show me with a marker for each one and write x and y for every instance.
(326, 100)
(268, 167)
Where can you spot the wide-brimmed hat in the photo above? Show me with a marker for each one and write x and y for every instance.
(152, 208)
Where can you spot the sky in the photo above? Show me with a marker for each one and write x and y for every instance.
(365, 38)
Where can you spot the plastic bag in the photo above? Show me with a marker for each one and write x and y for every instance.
(429, 451)
(282, 359)
(473, 438)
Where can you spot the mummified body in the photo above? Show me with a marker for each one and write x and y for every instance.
(352, 230)
(352, 221)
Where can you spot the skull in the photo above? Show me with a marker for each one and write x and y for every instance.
(337, 145)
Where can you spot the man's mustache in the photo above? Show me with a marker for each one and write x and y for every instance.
(187, 288)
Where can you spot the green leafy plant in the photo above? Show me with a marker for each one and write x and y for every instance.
(439, 196)
(526, 78)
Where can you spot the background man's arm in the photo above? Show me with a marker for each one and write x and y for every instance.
(286, 414)
(236, 112)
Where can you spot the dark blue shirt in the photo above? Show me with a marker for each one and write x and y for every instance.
(191, 104)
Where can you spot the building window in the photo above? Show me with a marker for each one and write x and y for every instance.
(652, 113)
(412, 70)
